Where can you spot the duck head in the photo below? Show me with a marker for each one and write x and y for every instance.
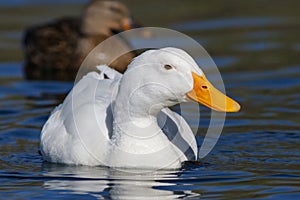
(168, 76)
(105, 17)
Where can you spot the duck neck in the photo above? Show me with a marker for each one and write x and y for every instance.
(135, 118)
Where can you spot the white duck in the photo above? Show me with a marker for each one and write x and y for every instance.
(124, 121)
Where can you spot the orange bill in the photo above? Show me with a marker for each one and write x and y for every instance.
(205, 93)
(126, 24)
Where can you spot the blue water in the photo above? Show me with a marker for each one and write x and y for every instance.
(256, 157)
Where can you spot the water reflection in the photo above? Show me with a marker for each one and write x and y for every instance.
(113, 183)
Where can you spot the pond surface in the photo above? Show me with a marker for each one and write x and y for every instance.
(256, 46)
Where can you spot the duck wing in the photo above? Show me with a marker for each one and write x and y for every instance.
(78, 131)
(179, 133)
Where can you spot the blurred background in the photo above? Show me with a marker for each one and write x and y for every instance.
(256, 46)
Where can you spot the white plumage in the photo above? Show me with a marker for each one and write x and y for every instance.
(124, 120)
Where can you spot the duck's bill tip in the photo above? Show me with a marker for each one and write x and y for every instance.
(235, 108)
(229, 106)
(128, 24)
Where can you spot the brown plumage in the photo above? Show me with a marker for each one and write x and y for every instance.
(57, 49)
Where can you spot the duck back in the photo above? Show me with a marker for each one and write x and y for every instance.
(50, 48)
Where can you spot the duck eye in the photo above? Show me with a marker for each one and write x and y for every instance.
(168, 67)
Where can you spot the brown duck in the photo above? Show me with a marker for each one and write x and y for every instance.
(56, 50)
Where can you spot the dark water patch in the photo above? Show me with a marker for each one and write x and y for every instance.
(258, 46)
(37, 2)
(229, 23)
(297, 47)
(260, 34)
